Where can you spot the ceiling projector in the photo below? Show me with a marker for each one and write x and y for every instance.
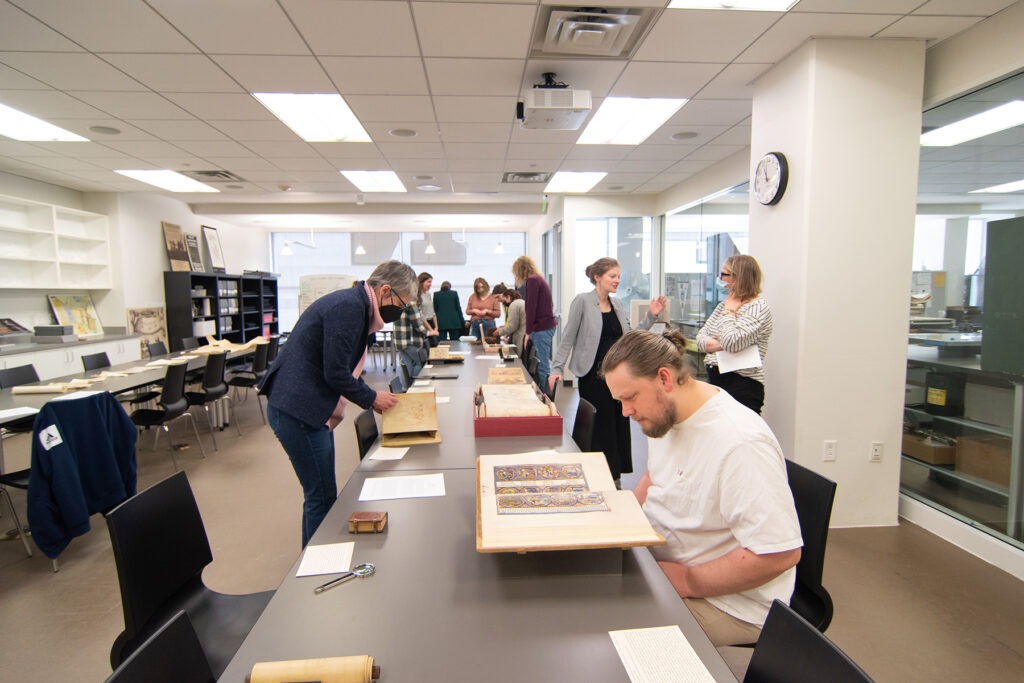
(554, 108)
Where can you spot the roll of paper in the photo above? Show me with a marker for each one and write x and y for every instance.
(355, 669)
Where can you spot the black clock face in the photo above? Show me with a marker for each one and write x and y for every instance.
(770, 178)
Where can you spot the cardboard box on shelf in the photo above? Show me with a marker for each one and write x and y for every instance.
(924, 449)
(985, 457)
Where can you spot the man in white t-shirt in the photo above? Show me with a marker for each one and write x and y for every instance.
(715, 488)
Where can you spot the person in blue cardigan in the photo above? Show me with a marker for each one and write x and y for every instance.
(317, 373)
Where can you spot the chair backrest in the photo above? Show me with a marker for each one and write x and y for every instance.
(583, 427)
(792, 650)
(95, 361)
(366, 431)
(157, 348)
(406, 375)
(530, 359)
(813, 496)
(160, 545)
(214, 385)
(411, 356)
(275, 345)
(189, 343)
(172, 397)
(424, 355)
(260, 360)
(171, 655)
(396, 385)
(15, 377)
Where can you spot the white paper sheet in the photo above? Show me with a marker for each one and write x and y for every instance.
(421, 383)
(428, 366)
(419, 390)
(330, 558)
(747, 358)
(444, 399)
(386, 453)
(12, 413)
(389, 488)
(488, 356)
(659, 655)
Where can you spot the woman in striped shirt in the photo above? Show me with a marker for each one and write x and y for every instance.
(741, 321)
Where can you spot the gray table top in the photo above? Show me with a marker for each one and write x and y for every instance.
(436, 610)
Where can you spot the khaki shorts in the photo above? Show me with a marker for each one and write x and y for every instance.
(722, 628)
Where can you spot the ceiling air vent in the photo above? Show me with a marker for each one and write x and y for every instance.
(591, 31)
(526, 177)
(214, 176)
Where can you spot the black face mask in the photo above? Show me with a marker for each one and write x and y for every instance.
(391, 313)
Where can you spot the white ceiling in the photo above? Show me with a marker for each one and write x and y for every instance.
(174, 77)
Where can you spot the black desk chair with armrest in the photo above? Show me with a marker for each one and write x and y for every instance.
(583, 427)
(791, 650)
(13, 377)
(366, 431)
(173, 405)
(171, 655)
(813, 495)
(214, 388)
(160, 550)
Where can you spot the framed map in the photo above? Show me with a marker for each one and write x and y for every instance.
(150, 324)
(76, 310)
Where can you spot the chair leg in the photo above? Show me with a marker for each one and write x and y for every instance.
(56, 565)
(209, 423)
(259, 404)
(231, 412)
(17, 522)
(195, 431)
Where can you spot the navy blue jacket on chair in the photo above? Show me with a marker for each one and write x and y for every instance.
(83, 462)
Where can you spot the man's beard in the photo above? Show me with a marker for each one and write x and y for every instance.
(658, 427)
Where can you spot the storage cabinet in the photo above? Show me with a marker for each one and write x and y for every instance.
(233, 307)
(66, 359)
(43, 246)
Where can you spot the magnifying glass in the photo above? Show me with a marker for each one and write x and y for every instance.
(359, 571)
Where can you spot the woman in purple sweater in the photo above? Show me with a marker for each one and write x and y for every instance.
(540, 314)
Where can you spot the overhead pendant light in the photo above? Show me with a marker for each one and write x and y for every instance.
(286, 248)
(360, 251)
(429, 251)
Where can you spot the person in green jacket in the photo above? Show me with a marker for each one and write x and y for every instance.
(448, 310)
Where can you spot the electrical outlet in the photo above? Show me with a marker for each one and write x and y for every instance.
(828, 451)
(875, 454)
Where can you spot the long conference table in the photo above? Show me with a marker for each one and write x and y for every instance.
(436, 610)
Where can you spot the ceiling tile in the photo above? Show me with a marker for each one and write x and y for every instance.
(642, 165)
(106, 26)
(534, 136)
(216, 148)
(177, 73)
(664, 79)
(958, 7)
(16, 148)
(737, 135)
(143, 148)
(476, 165)
(254, 130)
(411, 150)
(234, 26)
(484, 30)
(476, 132)
(429, 166)
(597, 76)
(81, 127)
(929, 28)
(703, 35)
(363, 28)
(333, 151)
(711, 112)
(526, 150)
(376, 75)
(411, 108)
(273, 149)
(612, 152)
(380, 131)
(262, 73)
(241, 165)
(47, 104)
(224, 107)
(713, 152)
(476, 77)
(793, 29)
(70, 70)
(455, 109)
(132, 105)
(82, 150)
(474, 150)
(15, 80)
(735, 82)
(181, 130)
(704, 134)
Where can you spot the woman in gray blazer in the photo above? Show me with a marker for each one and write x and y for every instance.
(596, 321)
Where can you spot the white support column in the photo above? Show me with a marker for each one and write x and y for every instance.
(836, 253)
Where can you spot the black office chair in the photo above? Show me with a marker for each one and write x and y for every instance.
(189, 343)
(99, 361)
(530, 360)
(411, 357)
(275, 346)
(214, 388)
(366, 431)
(14, 377)
(406, 374)
(790, 650)
(813, 495)
(424, 355)
(173, 405)
(157, 348)
(396, 386)
(583, 427)
(160, 550)
(171, 655)
(250, 378)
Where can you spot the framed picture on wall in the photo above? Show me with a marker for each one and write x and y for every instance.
(213, 247)
(77, 310)
(175, 241)
(195, 255)
(150, 324)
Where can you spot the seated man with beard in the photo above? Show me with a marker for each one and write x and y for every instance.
(715, 488)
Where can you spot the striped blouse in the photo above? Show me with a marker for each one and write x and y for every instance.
(752, 324)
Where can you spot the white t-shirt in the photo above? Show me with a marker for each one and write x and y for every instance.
(718, 483)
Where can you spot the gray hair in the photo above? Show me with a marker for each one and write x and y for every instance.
(645, 353)
(400, 277)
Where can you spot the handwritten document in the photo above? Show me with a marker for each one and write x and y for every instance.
(659, 655)
(329, 558)
(416, 486)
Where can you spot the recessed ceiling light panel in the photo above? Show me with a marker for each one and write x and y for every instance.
(18, 125)
(628, 120)
(315, 117)
(569, 182)
(375, 181)
(168, 180)
(994, 120)
(744, 5)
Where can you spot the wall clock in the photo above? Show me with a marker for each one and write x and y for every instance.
(770, 178)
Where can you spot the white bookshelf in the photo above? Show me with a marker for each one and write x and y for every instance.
(43, 246)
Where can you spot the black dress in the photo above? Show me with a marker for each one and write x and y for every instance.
(611, 428)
